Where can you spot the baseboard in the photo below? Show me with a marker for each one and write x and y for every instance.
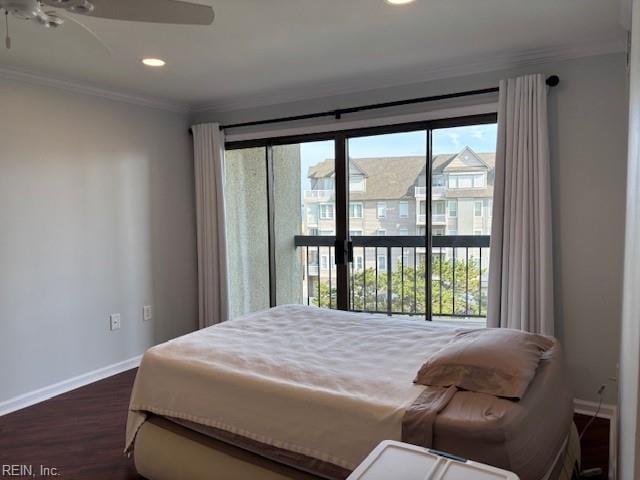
(610, 412)
(45, 393)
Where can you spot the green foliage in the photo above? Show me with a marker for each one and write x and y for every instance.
(455, 289)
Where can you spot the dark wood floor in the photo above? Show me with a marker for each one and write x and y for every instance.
(81, 433)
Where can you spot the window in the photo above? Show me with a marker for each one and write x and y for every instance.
(453, 208)
(438, 181)
(477, 208)
(312, 214)
(490, 207)
(404, 209)
(305, 196)
(465, 181)
(326, 211)
(356, 183)
(382, 263)
(479, 180)
(355, 210)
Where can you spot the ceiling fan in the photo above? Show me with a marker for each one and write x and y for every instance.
(51, 13)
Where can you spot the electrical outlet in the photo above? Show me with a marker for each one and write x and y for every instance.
(115, 322)
(147, 314)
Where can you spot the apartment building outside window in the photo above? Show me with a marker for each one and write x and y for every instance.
(355, 209)
(381, 209)
(403, 209)
(326, 211)
(453, 208)
(477, 208)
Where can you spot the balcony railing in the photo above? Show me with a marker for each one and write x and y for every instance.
(388, 275)
(318, 194)
(436, 192)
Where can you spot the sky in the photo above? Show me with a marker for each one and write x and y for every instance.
(481, 138)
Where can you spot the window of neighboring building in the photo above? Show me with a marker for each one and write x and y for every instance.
(453, 208)
(438, 207)
(477, 208)
(465, 181)
(479, 180)
(356, 183)
(438, 231)
(438, 181)
(403, 209)
(381, 209)
(355, 233)
(313, 231)
(381, 232)
(325, 233)
(355, 210)
(423, 207)
(358, 262)
(324, 262)
(326, 211)
(382, 263)
(403, 232)
(477, 232)
(422, 231)
(452, 231)
(326, 183)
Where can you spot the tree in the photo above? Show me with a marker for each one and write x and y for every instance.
(457, 289)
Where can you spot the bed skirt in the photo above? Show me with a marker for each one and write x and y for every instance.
(166, 451)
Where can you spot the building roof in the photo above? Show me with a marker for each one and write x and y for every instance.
(392, 178)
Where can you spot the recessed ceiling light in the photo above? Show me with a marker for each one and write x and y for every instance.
(154, 62)
(399, 2)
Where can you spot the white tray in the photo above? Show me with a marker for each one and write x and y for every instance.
(392, 460)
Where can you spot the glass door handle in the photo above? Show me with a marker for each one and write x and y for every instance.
(344, 252)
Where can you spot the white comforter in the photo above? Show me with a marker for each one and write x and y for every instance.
(326, 384)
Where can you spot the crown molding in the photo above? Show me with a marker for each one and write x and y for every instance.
(626, 6)
(450, 69)
(20, 75)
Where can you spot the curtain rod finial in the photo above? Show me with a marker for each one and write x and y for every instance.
(553, 80)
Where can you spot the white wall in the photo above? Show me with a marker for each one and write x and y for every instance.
(630, 346)
(96, 217)
(588, 121)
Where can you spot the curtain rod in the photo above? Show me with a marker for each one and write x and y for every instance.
(552, 81)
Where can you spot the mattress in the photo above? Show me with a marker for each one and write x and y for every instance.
(318, 390)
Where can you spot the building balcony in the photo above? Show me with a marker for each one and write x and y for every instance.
(439, 219)
(388, 276)
(436, 192)
(318, 195)
(421, 219)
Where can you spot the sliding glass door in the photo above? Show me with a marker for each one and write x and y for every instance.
(392, 220)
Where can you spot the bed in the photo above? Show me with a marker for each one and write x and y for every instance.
(302, 392)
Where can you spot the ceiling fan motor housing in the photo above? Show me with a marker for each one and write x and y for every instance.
(76, 6)
(23, 9)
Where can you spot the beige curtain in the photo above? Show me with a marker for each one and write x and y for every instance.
(521, 264)
(213, 290)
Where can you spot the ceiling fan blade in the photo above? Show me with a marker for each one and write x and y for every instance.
(153, 11)
(101, 42)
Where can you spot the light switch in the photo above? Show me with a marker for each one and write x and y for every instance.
(147, 313)
(115, 321)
